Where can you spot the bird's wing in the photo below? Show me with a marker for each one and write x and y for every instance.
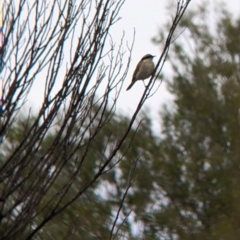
(136, 71)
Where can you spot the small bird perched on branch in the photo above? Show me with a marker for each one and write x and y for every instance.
(143, 70)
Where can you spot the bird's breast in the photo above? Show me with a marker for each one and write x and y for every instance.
(146, 70)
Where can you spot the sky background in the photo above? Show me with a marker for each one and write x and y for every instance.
(146, 17)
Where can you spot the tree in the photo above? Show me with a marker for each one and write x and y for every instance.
(192, 173)
(48, 162)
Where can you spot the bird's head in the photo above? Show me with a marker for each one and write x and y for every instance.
(147, 56)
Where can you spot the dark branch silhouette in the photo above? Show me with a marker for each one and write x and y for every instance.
(63, 45)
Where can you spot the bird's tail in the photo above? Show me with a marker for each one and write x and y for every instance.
(130, 86)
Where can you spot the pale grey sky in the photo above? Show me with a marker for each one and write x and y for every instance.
(146, 17)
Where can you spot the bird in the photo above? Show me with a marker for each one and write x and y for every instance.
(143, 70)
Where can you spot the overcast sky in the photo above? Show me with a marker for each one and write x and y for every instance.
(147, 16)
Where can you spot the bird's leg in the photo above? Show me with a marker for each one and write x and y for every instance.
(144, 84)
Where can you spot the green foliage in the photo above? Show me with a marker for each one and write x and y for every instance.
(198, 171)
